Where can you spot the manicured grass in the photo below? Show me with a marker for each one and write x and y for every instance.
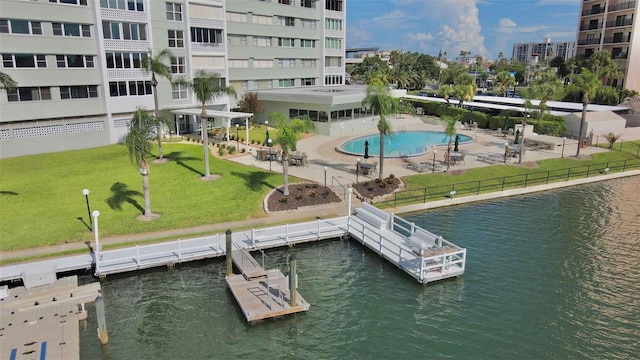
(41, 196)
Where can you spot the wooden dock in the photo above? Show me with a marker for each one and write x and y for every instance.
(266, 297)
(43, 322)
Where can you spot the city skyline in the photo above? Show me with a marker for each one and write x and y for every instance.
(485, 27)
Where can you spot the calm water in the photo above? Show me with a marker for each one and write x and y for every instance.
(401, 143)
(554, 275)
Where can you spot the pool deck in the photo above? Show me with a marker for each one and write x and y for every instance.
(321, 151)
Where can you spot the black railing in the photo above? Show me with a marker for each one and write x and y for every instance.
(584, 27)
(616, 23)
(423, 195)
(622, 6)
(620, 56)
(592, 11)
(617, 39)
(589, 42)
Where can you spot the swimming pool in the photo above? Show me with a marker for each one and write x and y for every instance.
(400, 144)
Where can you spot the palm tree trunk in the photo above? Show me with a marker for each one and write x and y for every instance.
(285, 173)
(583, 119)
(381, 172)
(448, 154)
(144, 170)
(154, 84)
(205, 144)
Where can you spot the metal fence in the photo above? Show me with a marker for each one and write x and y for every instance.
(423, 195)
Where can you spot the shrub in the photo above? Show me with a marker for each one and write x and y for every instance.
(232, 149)
(243, 150)
(283, 199)
(221, 151)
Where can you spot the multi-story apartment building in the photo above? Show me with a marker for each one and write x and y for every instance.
(545, 50)
(78, 62)
(612, 25)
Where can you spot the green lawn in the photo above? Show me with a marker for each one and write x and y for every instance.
(41, 196)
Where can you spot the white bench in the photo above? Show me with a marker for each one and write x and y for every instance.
(421, 240)
(373, 216)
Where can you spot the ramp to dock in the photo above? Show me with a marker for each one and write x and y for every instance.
(247, 264)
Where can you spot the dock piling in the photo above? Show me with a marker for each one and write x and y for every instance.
(229, 253)
(102, 322)
(293, 282)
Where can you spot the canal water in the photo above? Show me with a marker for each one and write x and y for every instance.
(553, 275)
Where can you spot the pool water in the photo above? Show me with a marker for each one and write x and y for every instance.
(400, 144)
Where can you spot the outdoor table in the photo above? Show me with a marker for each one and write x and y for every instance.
(296, 159)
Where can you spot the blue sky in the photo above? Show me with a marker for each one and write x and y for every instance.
(484, 27)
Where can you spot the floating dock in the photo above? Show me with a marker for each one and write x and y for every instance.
(42, 322)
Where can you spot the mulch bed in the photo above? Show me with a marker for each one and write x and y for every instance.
(374, 188)
(301, 195)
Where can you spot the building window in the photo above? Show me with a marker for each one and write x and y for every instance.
(285, 42)
(177, 65)
(306, 43)
(309, 63)
(79, 92)
(71, 29)
(333, 24)
(178, 91)
(237, 40)
(332, 61)
(262, 64)
(74, 61)
(176, 38)
(261, 19)
(238, 64)
(286, 21)
(174, 11)
(70, 2)
(134, 31)
(13, 26)
(211, 37)
(29, 94)
(24, 61)
(118, 88)
(236, 17)
(120, 60)
(285, 2)
(286, 83)
(333, 80)
(286, 63)
(140, 88)
(261, 41)
(131, 5)
(308, 81)
(333, 43)
(333, 5)
(308, 23)
(307, 3)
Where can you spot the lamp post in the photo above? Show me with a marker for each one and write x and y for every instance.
(524, 124)
(95, 214)
(85, 192)
(325, 179)
(433, 165)
(269, 141)
(237, 138)
(357, 169)
(564, 138)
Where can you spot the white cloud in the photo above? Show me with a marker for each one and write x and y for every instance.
(422, 40)
(358, 37)
(506, 22)
(393, 19)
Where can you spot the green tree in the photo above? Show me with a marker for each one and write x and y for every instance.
(287, 136)
(155, 65)
(463, 92)
(503, 81)
(139, 147)
(207, 86)
(586, 83)
(450, 130)
(611, 139)
(379, 100)
(604, 66)
(445, 91)
(546, 87)
(7, 83)
(250, 103)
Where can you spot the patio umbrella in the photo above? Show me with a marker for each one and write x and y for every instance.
(455, 144)
(515, 141)
(366, 149)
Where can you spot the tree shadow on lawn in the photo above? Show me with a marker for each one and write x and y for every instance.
(122, 194)
(5, 192)
(254, 180)
(179, 159)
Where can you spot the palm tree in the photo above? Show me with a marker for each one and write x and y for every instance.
(503, 81)
(445, 91)
(7, 83)
(139, 147)
(612, 138)
(379, 100)
(206, 86)
(289, 132)
(450, 130)
(587, 83)
(546, 87)
(155, 65)
(604, 66)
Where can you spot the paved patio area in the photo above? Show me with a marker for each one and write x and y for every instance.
(341, 168)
